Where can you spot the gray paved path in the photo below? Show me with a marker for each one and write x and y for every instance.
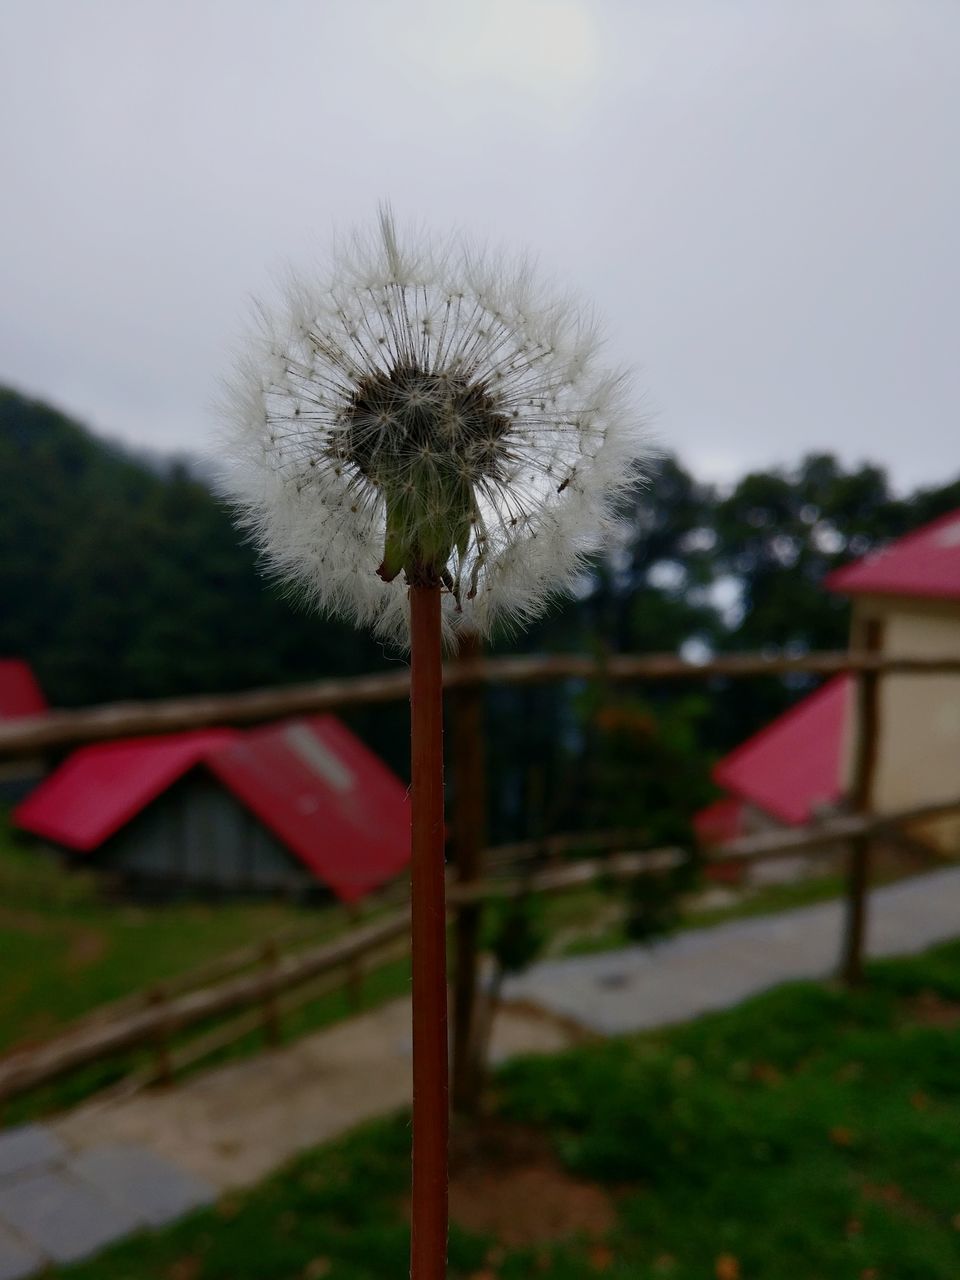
(70, 1186)
(59, 1204)
(109, 1168)
(714, 968)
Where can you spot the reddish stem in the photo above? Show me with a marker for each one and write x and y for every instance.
(428, 1246)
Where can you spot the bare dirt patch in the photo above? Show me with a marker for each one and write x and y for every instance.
(506, 1182)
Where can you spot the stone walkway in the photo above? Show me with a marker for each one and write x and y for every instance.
(58, 1204)
(71, 1185)
(702, 969)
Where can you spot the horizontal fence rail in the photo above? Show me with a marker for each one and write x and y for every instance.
(160, 1016)
(58, 729)
(832, 831)
(152, 1017)
(620, 866)
(554, 847)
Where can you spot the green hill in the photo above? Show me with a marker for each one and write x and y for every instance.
(121, 578)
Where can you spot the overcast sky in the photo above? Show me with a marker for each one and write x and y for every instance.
(762, 197)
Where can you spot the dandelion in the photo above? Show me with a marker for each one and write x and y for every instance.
(427, 442)
(427, 415)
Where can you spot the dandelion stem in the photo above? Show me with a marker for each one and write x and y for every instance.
(428, 1248)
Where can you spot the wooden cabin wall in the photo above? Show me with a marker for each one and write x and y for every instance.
(197, 836)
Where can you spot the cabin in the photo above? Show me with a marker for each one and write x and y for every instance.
(298, 808)
(20, 696)
(906, 603)
(787, 775)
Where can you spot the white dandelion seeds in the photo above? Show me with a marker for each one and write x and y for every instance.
(427, 415)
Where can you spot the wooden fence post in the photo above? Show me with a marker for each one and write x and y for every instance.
(158, 999)
(469, 830)
(271, 1009)
(354, 976)
(867, 712)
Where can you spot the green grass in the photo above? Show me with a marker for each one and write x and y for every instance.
(759, 901)
(67, 949)
(767, 899)
(810, 1134)
(340, 1206)
(387, 982)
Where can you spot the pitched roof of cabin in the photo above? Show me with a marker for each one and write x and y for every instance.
(793, 766)
(324, 795)
(924, 563)
(99, 788)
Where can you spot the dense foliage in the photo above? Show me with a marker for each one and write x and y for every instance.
(123, 577)
(120, 579)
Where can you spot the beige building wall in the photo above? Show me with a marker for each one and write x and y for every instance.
(918, 758)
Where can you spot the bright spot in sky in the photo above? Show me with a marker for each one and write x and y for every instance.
(542, 46)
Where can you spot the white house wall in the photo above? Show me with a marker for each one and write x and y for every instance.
(918, 759)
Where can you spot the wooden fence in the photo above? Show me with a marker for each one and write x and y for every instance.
(253, 980)
(274, 982)
(158, 1017)
(56, 730)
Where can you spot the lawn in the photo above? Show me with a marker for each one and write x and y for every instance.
(67, 949)
(808, 1135)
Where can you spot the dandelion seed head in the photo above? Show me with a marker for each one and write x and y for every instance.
(427, 415)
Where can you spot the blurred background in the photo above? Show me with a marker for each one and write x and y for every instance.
(761, 200)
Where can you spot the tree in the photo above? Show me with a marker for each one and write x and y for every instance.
(121, 578)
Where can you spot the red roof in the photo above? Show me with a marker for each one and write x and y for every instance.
(924, 563)
(793, 766)
(20, 695)
(322, 793)
(326, 797)
(98, 789)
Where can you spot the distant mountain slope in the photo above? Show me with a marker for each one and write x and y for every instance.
(123, 577)
(119, 578)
